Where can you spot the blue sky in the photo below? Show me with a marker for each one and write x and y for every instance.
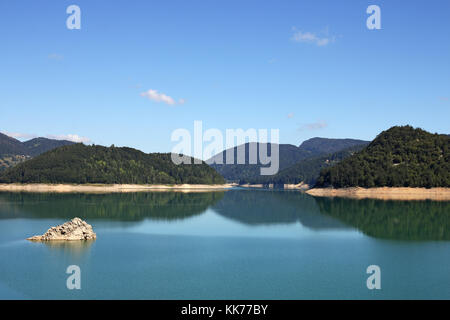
(309, 68)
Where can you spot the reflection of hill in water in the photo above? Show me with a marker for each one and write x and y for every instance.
(263, 207)
(399, 220)
(121, 206)
(402, 220)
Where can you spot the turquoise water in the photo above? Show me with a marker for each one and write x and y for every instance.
(240, 244)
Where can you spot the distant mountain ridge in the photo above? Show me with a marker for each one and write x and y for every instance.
(37, 146)
(11, 146)
(288, 156)
(306, 171)
(13, 151)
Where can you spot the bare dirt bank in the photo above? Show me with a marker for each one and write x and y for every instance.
(115, 188)
(251, 185)
(300, 186)
(439, 194)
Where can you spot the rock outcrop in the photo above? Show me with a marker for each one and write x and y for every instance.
(73, 230)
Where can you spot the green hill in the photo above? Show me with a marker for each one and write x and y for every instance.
(306, 171)
(329, 146)
(288, 156)
(81, 164)
(399, 157)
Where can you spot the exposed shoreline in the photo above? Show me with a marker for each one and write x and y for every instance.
(385, 193)
(113, 188)
(300, 186)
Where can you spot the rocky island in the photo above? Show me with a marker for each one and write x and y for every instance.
(73, 230)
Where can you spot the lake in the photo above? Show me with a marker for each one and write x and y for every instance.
(238, 244)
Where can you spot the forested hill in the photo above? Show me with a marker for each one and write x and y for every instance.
(329, 146)
(289, 155)
(80, 164)
(306, 171)
(399, 157)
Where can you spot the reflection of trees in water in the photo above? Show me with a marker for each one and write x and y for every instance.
(120, 206)
(403, 220)
(265, 207)
(400, 220)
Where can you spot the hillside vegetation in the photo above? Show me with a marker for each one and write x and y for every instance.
(82, 164)
(306, 171)
(289, 155)
(399, 157)
(329, 146)
(7, 161)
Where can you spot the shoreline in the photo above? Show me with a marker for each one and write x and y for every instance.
(300, 186)
(384, 193)
(110, 188)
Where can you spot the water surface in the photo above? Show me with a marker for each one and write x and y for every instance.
(239, 244)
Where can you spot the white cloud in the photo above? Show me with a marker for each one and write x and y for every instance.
(314, 126)
(154, 95)
(69, 137)
(310, 37)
